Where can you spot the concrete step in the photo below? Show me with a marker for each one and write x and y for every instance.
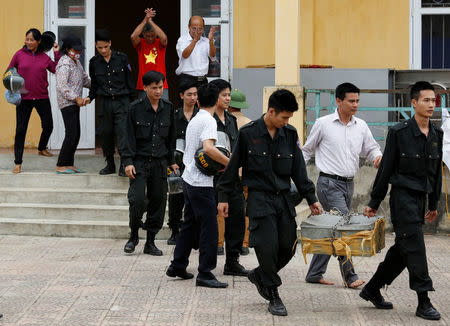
(86, 160)
(58, 181)
(75, 228)
(64, 195)
(95, 213)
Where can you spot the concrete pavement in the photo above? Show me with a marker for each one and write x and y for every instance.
(72, 281)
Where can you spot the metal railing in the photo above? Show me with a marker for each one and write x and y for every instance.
(404, 112)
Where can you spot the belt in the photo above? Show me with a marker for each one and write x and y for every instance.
(148, 158)
(199, 78)
(336, 177)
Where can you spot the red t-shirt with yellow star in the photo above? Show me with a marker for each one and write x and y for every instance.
(151, 57)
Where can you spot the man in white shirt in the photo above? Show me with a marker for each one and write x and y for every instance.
(337, 140)
(199, 228)
(194, 52)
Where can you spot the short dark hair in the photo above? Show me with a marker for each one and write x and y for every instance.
(147, 28)
(420, 86)
(185, 85)
(221, 84)
(207, 95)
(152, 76)
(345, 88)
(102, 35)
(283, 100)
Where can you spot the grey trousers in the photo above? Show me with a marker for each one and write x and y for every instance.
(333, 195)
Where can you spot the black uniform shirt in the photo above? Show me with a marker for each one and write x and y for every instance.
(111, 78)
(267, 164)
(230, 127)
(410, 160)
(181, 122)
(150, 134)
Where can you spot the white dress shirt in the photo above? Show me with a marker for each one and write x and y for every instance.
(200, 128)
(197, 63)
(338, 146)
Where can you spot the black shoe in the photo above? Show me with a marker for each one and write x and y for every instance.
(108, 169)
(121, 171)
(427, 312)
(375, 297)
(172, 272)
(234, 268)
(262, 290)
(213, 283)
(219, 251)
(151, 249)
(173, 239)
(131, 245)
(1, 315)
(245, 251)
(276, 306)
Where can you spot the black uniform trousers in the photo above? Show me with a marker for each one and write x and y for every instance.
(23, 114)
(71, 117)
(409, 247)
(148, 192)
(235, 224)
(112, 116)
(176, 204)
(273, 234)
(198, 230)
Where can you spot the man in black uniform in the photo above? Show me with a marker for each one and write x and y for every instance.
(235, 223)
(188, 95)
(112, 83)
(151, 143)
(268, 153)
(411, 164)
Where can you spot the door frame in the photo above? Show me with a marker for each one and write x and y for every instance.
(87, 113)
(415, 30)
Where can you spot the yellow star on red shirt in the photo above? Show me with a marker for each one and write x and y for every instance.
(151, 56)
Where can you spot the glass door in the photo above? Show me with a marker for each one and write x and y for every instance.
(75, 17)
(215, 13)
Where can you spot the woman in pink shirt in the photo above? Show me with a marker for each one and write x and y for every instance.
(32, 63)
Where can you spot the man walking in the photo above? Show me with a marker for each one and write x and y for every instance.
(267, 151)
(412, 165)
(151, 143)
(338, 139)
(112, 84)
(188, 95)
(199, 228)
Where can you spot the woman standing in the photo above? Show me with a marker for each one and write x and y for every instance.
(70, 80)
(32, 64)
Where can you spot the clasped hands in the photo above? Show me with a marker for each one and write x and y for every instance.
(82, 101)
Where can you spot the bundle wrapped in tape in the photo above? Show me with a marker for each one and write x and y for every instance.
(348, 235)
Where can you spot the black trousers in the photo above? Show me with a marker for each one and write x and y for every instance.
(273, 234)
(176, 204)
(71, 117)
(112, 116)
(148, 193)
(235, 225)
(23, 114)
(182, 78)
(408, 250)
(198, 230)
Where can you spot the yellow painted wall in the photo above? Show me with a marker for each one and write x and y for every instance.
(16, 17)
(341, 33)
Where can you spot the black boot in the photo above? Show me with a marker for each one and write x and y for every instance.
(110, 167)
(373, 295)
(121, 171)
(150, 247)
(232, 267)
(262, 290)
(425, 309)
(132, 241)
(244, 251)
(276, 306)
(173, 238)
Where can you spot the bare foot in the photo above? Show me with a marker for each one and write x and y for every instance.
(356, 284)
(17, 168)
(325, 282)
